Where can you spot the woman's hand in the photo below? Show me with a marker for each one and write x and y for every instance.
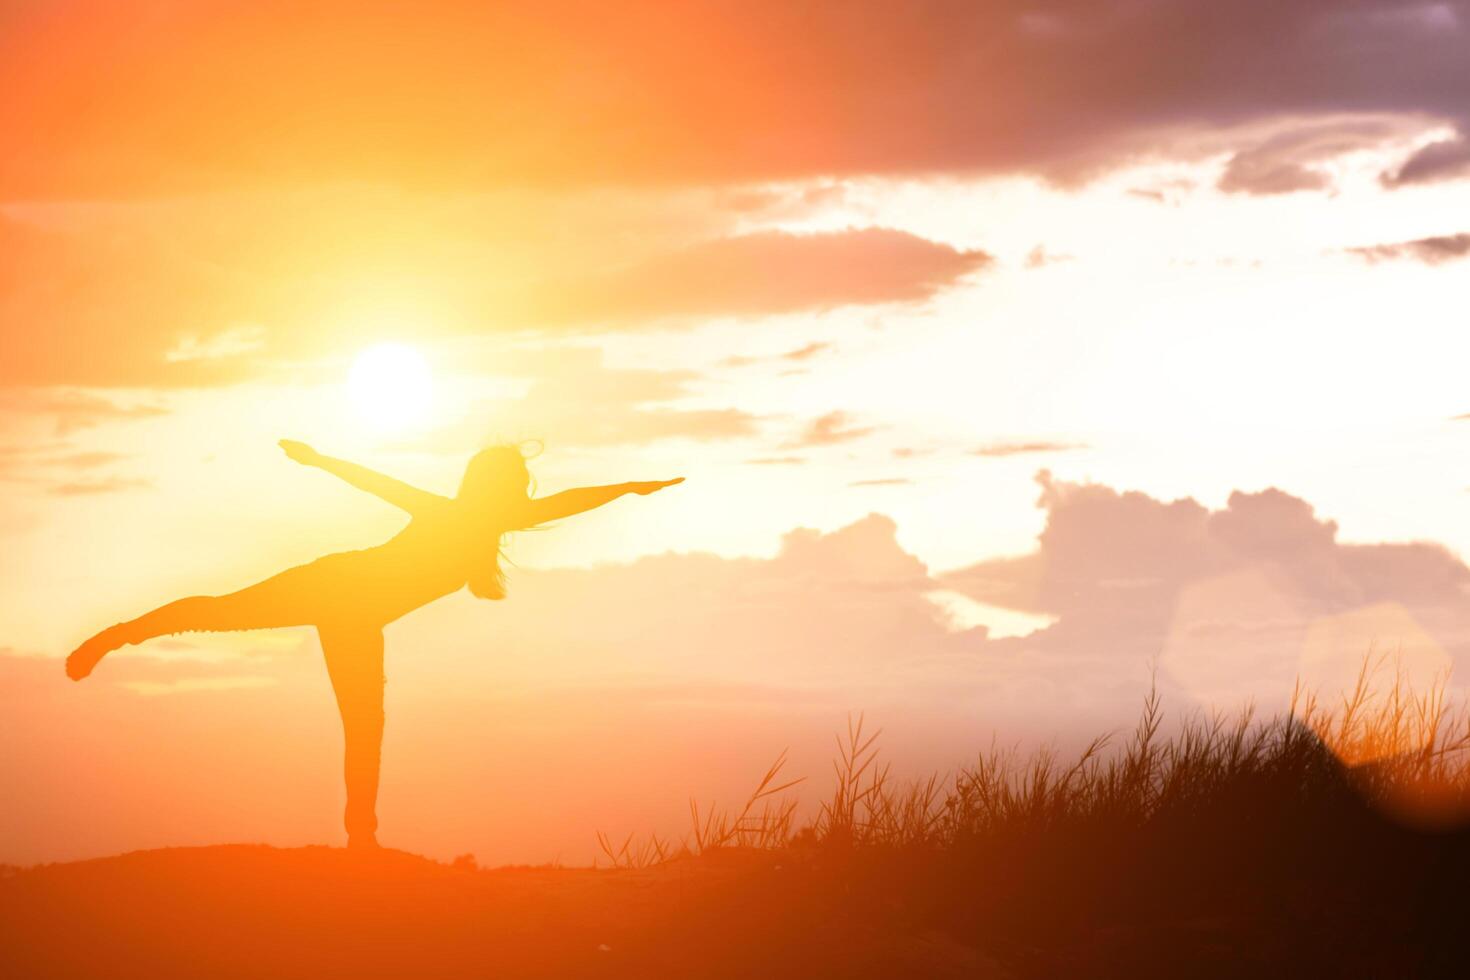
(644, 489)
(300, 452)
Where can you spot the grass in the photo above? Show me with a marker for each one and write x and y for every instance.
(1329, 838)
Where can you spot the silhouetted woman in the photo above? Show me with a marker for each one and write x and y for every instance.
(349, 597)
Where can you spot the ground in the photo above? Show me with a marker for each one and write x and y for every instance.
(1215, 908)
(252, 910)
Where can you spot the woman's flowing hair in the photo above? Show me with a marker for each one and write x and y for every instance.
(499, 477)
(487, 580)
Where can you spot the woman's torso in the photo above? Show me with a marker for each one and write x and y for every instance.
(430, 558)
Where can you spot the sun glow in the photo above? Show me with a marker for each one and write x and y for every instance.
(391, 386)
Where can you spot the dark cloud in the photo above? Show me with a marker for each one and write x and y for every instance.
(1290, 160)
(440, 94)
(830, 429)
(1430, 251)
(1248, 176)
(1441, 160)
(1001, 449)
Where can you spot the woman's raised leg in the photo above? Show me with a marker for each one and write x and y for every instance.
(287, 599)
(354, 655)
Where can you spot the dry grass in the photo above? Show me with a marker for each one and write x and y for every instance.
(1320, 838)
(764, 822)
(1403, 752)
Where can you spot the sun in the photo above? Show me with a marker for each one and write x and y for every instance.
(391, 386)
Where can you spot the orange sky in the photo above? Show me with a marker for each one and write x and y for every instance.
(981, 332)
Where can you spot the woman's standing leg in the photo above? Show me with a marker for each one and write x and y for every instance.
(354, 656)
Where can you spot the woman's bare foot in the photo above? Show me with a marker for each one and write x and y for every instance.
(85, 657)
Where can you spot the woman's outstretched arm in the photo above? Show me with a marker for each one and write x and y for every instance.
(395, 492)
(569, 502)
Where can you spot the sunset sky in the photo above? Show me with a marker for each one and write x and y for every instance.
(1008, 349)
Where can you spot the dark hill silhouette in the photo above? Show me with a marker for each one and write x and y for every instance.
(256, 911)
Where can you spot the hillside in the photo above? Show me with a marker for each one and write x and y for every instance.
(252, 910)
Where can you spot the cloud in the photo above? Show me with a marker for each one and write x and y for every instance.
(830, 429)
(1233, 601)
(826, 608)
(39, 465)
(1441, 160)
(583, 403)
(215, 291)
(777, 461)
(640, 92)
(113, 484)
(803, 353)
(1291, 159)
(785, 203)
(1435, 250)
(101, 306)
(86, 460)
(627, 409)
(1002, 449)
(764, 273)
(54, 455)
(649, 425)
(1039, 258)
(231, 342)
(1230, 598)
(1244, 175)
(882, 482)
(71, 410)
(58, 469)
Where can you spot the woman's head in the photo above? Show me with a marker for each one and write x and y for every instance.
(495, 480)
(497, 475)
